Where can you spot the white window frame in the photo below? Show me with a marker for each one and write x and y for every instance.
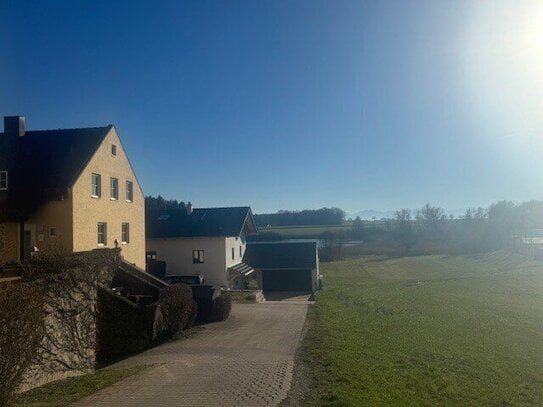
(114, 191)
(103, 241)
(3, 178)
(96, 188)
(125, 234)
(197, 257)
(129, 191)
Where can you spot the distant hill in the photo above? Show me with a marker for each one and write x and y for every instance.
(368, 214)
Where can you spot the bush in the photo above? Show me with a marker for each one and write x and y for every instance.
(222, 305)
(177, 308)
(22, 328)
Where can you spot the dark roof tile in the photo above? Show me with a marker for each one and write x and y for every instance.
(203, 222)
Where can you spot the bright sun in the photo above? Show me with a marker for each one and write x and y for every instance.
(502, 47)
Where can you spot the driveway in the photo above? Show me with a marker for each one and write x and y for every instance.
(247, 360)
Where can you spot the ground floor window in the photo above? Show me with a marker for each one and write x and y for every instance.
(102, 233)
(197, 256)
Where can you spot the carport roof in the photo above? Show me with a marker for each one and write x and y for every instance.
(281, 255)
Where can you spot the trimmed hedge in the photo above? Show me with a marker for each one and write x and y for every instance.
(222, 305)
(177, 308)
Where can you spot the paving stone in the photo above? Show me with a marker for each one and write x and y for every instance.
(247, 360)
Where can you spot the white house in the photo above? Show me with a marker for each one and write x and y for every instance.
(209, 242)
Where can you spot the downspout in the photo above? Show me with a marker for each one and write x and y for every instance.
(21, 240)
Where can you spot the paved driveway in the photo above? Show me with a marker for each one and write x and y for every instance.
(247, 360)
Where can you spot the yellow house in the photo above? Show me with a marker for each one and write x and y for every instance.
(69, 188)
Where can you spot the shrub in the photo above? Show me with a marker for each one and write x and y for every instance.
(176, 304)
(222, 305)
(22, 328)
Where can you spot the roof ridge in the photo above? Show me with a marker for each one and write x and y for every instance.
(108, 126)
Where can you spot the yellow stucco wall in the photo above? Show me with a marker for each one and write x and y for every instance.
(57, 215)
(9, 242)
(88, 211)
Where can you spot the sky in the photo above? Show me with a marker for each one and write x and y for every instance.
(293, 104)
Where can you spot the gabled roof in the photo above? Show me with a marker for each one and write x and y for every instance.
(43, 164)
(202, 222)
(281, 255)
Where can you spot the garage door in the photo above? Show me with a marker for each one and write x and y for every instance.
(286, 280)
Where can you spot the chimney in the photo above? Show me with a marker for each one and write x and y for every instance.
(14, 126)
(189, 208)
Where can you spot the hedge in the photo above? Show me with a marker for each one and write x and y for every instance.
(176, 305)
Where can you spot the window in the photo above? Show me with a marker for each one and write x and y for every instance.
(125, 233)
(113, 149)
(240, 251)
(3, 180)
(233, 254)
(102, 234)
(52, 232)
(150, 255)
(129, 191)
(96, 185)
(197, 256)
(114, 188)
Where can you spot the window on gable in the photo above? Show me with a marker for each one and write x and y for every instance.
(129, 191)
(240, 251)
(125, 233)
(3, 180)
(102, 234)
(113, 149)
(233, 253)
(96, 185)
(114, 188)
(52, 232)
(197, 256)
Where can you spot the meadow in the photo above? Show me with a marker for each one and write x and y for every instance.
(428, 331)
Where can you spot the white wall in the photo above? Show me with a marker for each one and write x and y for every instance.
(235, 243)
(177, 253)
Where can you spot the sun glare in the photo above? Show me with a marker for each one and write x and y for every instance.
(503, 67)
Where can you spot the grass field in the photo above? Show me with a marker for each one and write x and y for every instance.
(428, 331)
(65, 392)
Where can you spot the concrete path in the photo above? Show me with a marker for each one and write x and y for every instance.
(247, 360)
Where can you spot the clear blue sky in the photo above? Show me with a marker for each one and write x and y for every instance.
(293, 104)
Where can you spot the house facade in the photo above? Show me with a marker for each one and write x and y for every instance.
(206, 241)
(73, 189)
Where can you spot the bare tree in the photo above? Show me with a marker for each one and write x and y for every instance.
(403, 227)
(21, 332)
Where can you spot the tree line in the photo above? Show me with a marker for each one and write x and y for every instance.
(306, 217)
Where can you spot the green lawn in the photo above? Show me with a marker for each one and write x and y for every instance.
(64, 392)
(428, 331)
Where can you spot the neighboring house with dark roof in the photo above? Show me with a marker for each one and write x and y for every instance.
(68, 188)
(285, 266)
(209, 242)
